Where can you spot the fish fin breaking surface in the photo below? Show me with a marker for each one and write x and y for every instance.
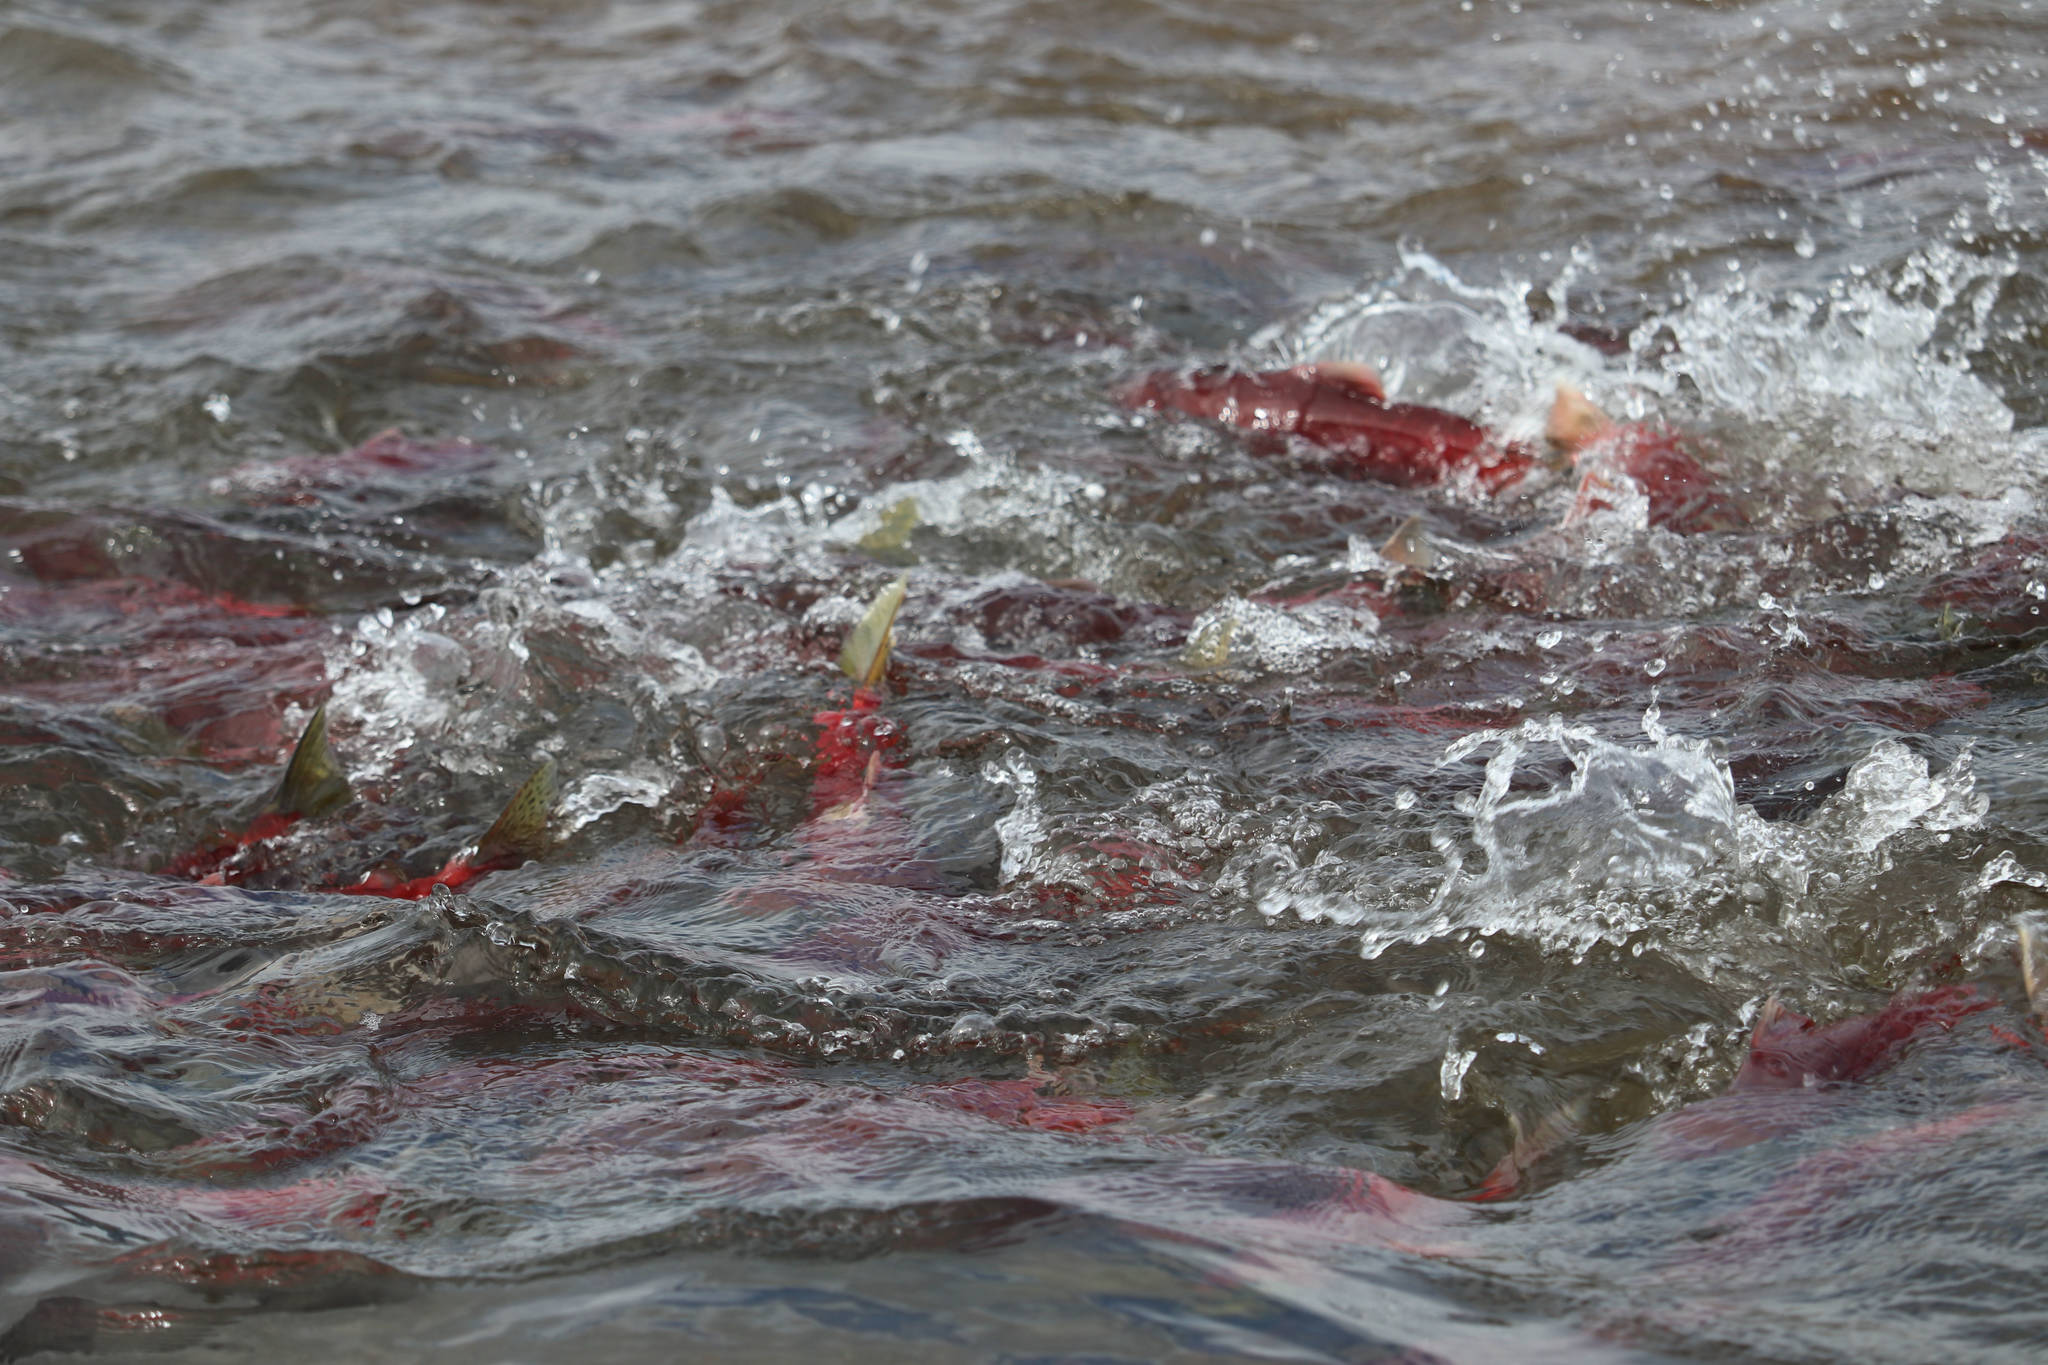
(866, 655)
(1410, 547)
(520, 831)
(313, 782)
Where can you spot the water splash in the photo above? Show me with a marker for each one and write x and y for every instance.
(1629, 840)
(1239, 634)
(1583, 860)
(1859, 383)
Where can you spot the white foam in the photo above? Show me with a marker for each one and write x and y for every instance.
(1634, 838)
(1239, 634)
(1861, 385)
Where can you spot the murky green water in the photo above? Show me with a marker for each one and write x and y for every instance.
(1232, 905)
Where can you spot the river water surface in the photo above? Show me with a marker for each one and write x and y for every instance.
(535, 379)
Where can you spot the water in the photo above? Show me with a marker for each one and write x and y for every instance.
(1239, 905)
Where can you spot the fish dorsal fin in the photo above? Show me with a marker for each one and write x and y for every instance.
(521, 829)
(1350, 376)
(313, 783)
(1410, 547)
(1574, 421)
(2033, 931)
(866, 655)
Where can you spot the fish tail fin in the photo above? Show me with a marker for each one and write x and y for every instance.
(866, 655)
(1531, 1146)
(313, 782)
(521, 829)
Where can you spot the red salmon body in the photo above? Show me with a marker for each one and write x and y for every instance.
(1789, 1049)
(456, 873)
(1682, 495)
(1340, 410)
(852, 745)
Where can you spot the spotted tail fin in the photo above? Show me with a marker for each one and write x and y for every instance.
(521, 829)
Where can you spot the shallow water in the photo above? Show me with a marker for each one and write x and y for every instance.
(1235, 904)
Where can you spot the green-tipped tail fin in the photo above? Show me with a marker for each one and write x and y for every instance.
(866, 655)
(313, 783)
(521, 829)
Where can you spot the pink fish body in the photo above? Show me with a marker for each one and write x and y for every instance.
(1342, 409)
(1790, 1050)
(388, 457)
(1652, 460)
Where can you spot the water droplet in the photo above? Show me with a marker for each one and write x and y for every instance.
(1451, 1075)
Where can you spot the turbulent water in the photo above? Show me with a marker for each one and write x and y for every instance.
(533, 379)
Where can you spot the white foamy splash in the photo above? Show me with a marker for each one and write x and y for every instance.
(1033, 518)
(1634, 839)
(461, 684)
(1861, 383)
(1254, 636)
(1133, 860)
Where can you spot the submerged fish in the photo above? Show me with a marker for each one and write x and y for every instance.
(1789, 1050)
(313, 785)
(380, 469)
